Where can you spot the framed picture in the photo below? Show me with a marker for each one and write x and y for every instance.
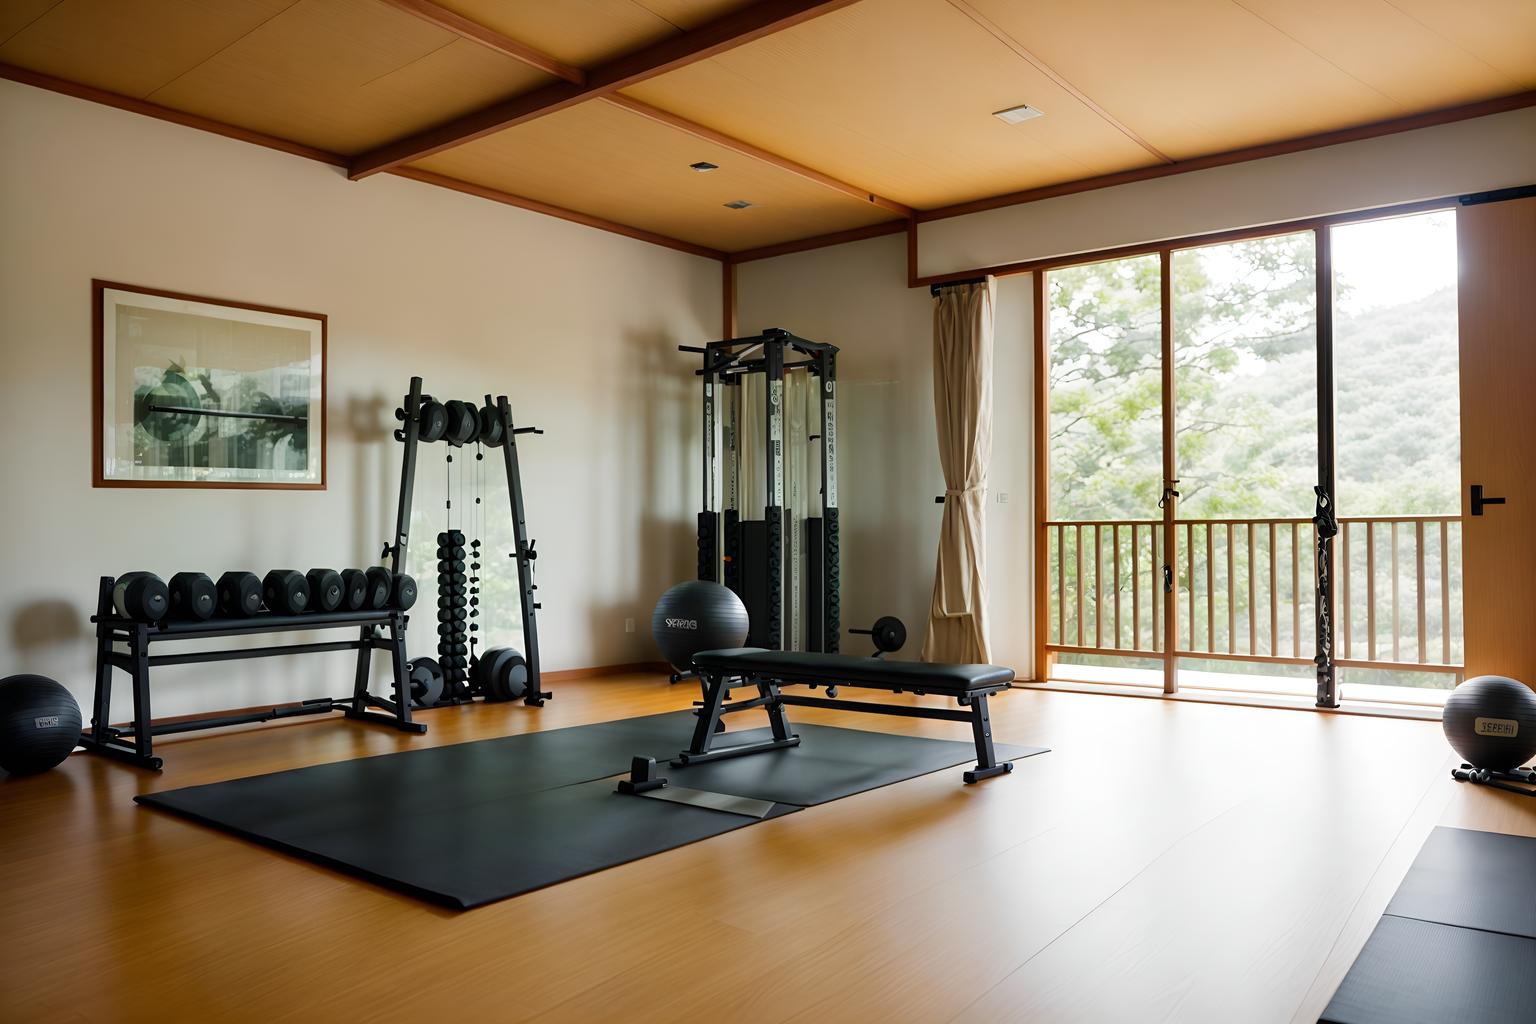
(192, 391)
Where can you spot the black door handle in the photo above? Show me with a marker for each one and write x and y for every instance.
(1478, 501)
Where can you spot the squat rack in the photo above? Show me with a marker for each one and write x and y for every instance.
(726, 363)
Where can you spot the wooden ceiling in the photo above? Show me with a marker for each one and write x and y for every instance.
(827, 117)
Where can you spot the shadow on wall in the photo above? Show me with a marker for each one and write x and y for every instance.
(658, 457)
(369, 423)
(45, 631)
(886, 483)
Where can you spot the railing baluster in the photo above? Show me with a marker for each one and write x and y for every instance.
(1135, 588)
(1210, 592)
(1274, 601)
(1079, 590)
(1115, 543)
(1397, 653)
(1295, 590)
(1231, 597)
(1061, 584)
(1346, 647)
(1445, 593)
(1370, 590)
(1155, 575)
(1253, 611)
(1418, 558)
(1189, 558)
(1098, 586)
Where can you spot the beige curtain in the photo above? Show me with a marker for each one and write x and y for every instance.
(962, 404)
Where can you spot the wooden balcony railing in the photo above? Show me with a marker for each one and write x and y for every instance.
(1245, 588)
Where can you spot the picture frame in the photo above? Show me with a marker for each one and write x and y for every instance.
(196, 391)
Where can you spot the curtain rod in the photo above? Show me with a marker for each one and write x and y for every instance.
(934, 289)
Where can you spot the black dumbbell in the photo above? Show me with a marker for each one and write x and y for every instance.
(239, 594)
(326, 592)
(381, 587)
(354, 585)
(193, 596)
(403, 594)
(140, 596)
(285, 591)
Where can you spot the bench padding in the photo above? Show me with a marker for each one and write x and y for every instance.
(852, 670)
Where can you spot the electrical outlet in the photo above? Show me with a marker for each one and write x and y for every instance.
(629, 625)
(1002, 497)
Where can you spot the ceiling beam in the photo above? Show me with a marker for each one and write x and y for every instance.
(1374, 130)
(890, 227)
(755, 152)
(725, 33)
(132, 104)
(451, 21)
(549, 209)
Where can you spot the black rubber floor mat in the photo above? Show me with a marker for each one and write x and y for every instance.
(1419, 972)
(1483, 880)
(472, 823)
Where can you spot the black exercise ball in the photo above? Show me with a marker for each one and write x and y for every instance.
(39, 724)
(697, 616)
(1491, 722)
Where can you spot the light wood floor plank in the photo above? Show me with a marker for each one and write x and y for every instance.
(1167, 861)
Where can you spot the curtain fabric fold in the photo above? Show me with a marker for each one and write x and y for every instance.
(962, 405)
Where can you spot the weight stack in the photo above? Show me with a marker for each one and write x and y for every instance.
(452, 614)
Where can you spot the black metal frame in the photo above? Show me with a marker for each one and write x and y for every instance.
(135, 743)
(409, 433)
(725, 362)
(717, 687)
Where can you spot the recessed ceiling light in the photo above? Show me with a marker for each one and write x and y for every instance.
(1015, 115)
(705, 165)
(738, 204)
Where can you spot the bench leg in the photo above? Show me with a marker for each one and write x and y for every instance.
(699, 750)
(986, 757)
(709, 714)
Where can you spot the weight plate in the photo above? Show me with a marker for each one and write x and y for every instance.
(493, 666)
(463, 423)
(169, 427)
(433, 420)
(426, 682)
(513, 679)
(493, 429)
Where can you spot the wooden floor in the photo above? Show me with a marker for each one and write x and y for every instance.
(1168, 861)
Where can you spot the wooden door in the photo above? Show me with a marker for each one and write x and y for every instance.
(1496, 245)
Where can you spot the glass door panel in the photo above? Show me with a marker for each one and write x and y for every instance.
(1396, 361)
(1104, 345)
(1245, 379)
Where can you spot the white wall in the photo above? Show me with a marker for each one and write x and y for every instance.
(855, 296)
(578, 326)
(1485, 153)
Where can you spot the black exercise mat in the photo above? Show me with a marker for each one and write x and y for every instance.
(1419, 972)
(1474, 879)
(471, 823)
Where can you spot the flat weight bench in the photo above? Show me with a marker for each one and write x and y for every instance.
(969, 685)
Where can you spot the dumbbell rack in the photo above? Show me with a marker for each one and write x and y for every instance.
(409, 434)
(135, 743)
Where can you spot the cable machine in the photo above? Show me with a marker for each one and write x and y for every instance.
(779, 555)
(464, 675)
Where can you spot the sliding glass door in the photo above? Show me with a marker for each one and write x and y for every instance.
(1199, 569)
